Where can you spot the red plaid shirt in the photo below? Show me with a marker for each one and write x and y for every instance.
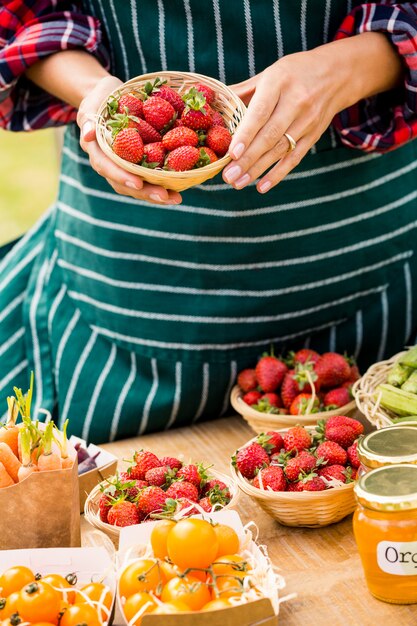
(380, 123)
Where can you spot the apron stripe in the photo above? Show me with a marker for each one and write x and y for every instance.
(51, 265)
(219, 41)
(63, 343)
(37, 363)
(408, 302)
(162, 50)
(122, 397)
(326, 20)
(190, 35)
(303, 24)
(55, 306)
(249, 38)
(21, 245)
(121, 41)
(332, 339)
(12, 374)
(204, 392)
(12, 306)
(359, 334)
(384, 327)
(278, 30)
(103, 18)
(233, 374)
(177, 395)
(17, 269)
(97, 390)
(13, 339)
(150, 398)
(135, 21)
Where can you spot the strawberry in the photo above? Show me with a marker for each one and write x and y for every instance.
(130, 104)
(128, 145)
(131, 487)
(218, 139)
(270, 372)
(182, 489)
(150, 500)
(171, 461)
(272, 398)
(206, 504)
(270, 478)
(182, 159)
(171, 96)
(218, 119)
(144, 460)
(302, 403)
(177, 137)
(271, 441)
(296, 438)
(158, 113)
(147, 132)
(214, 484)
(304, 462)
(207, 152)
(297, 486)
(337, 472)
(197, 114)
(343, 420)
(246, 379)
(207, 92)
(194, 474)
(289, 389)
(123, 513)
(312, 482)
(160, 476)
(354, 373)
(352, 453)
(249, 459)
(332, 369)
(343, 435)
(306, 355)
(153, 155)
(336, 398)
(252, 397)
(331, 453)
(104, 506)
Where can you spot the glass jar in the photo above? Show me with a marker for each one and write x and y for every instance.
(388, 446)
(385, 528)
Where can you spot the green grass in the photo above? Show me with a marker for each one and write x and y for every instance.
(29, 166)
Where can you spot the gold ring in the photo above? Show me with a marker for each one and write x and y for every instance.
(292, 142)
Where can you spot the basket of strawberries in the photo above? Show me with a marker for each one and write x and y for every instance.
(300, 388)
(153, 487)
(302, 476)
(172, 129)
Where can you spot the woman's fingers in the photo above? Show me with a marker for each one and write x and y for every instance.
(286, 164)
(245, 89)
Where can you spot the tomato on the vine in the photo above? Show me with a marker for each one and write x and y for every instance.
(187, 589)
(8, 605)
(14, 579)
(141, 575)
(38, 602)
(135, 603)
(192, 543)
(80, 614)
(59, 582)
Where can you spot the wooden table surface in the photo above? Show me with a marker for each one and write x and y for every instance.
(322, 565)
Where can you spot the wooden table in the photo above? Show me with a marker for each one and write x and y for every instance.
(322, 565)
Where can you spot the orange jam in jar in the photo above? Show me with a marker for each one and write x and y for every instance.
(385, 528)
(388, 446)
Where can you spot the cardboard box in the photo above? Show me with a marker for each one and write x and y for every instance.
(263, 612)
(106, 467)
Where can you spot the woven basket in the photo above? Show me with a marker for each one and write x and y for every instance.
(91, 507)
(364, 388)
(227, 103)
(261, 422)
(311, 509)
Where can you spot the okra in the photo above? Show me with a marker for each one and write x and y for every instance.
(411, 383)
(399, 374)
(409, 358)
(396, 400)
(406, 418)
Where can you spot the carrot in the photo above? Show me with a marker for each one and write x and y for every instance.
(10, 461)
(27, 466)
(5, 479)
(48, 460)
(66, 460)
(9, 433)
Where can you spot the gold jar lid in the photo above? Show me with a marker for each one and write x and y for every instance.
(389, 446)
(390, 488)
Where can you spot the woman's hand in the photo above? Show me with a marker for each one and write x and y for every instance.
(299, 95)
(122, 182)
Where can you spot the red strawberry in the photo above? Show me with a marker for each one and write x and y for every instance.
(131, 105)
(297, 486)
(270, 478)
(197, 114)
(182, 159)
(273, 399)
(252, 397)
(123, 513)
(207, 92)
(193, 474)
(144, 460)
(171, 96)
(296, 438)
(304, 462)
(270, 372)
(246, 380)
(206, 504)
(218, 139)
(131, 487)
(171, 461)
(250, 458)
(332, 369)
(218, 119)
(147, 132)
(150, 500)
(337, 397)
(183, 489)
(302, 403)
(315, 483)
(178, 137)
(216, 487)
(354, 373)
(271, 441)
(338, 472)
(289, 389)
(343, 435)
(343, 420)
(104, 506)
(160, 476)
(305, 354)
(332, 453)
(128, 145)
(352, 453)
(154, 154)
(207, 152)
(158, 113)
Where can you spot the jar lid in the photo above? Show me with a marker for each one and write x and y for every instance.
(390, 488)
(388, 446)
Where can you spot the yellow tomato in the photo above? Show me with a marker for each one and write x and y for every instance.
(38, 602)
(14, 579)
(227, 538)
(78, 614)
(192, 543)
(220, 603)
(8, 605)
(60, 583)
(99, 595)
(159, 536)
(189, 590)
(141, 575)
(231, 565)
(136, 603)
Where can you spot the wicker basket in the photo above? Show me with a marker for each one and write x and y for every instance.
(364, 388)
(91, 508)
(261, 422)
(227, 103)
(311, 509)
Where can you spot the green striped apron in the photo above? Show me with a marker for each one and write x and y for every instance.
(137, 317)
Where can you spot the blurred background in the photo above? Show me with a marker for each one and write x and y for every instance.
(28, 179)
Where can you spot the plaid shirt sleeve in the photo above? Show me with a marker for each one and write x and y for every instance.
(387, 120)
(29, 31)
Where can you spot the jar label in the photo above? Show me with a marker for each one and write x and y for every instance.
(398, 557)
